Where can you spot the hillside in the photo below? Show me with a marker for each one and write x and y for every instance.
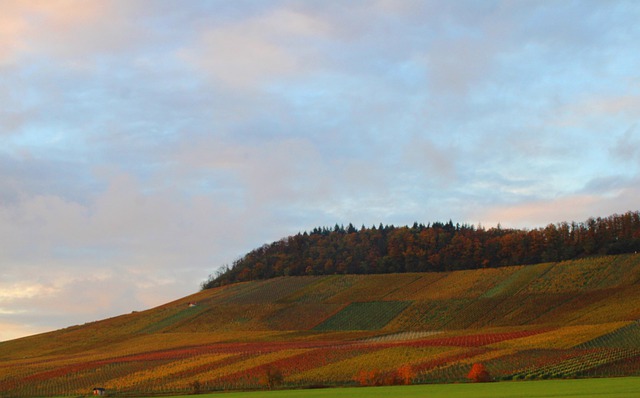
(434, 247)
(565, 319)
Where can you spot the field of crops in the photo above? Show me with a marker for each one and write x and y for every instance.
(547, 321)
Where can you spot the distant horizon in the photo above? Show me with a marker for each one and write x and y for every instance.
(145, 145)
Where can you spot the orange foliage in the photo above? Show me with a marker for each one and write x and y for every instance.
(479, 373)
(406, 374)
(367, 377)
(403, 375)
(371, 378)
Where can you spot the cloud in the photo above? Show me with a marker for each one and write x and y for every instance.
(437, 163)
(251, 52)
(14, 330)
(144, 144)
(618, 199)
(84, 293)
(12, 29)
(627, 146)
(23, 290)
(602, 109)
(69, 29)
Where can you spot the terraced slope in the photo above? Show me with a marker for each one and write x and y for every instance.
(577, 318)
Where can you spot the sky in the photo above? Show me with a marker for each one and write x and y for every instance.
(146, 143)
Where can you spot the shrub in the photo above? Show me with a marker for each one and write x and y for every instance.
(369, 378)
(195, 387)
(374, 378)
(272, 377)
(405, 374)
(479, 373)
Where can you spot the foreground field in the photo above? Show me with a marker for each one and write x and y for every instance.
(545, 321)
(623, 387)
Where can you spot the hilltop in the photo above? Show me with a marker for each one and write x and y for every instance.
(575, 318)
(434, 247)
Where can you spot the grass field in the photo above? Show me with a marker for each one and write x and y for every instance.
(621, 387)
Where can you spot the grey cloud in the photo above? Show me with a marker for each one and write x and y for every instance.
(275, 38)
(607, 185)
(33, 176)
(437, 164)
(144, 159)
(627, 146)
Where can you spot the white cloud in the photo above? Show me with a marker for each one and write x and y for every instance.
(437, 164)
(12, 29)
(21, 290)
(71, 30)
(144, 144)
(14, 330)
(252, 52)
(576, 207)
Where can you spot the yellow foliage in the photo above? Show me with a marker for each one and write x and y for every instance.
(162, 371)
(239, 366)
(488, 356)
(383, 285)
(382, 360)
(562, 338)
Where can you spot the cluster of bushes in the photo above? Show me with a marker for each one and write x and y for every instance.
(402, 375)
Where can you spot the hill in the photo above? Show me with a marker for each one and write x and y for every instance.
(434, 247)
(563, 319)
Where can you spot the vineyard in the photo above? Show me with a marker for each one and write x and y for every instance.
(554, 320)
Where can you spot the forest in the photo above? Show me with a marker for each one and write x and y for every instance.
(434, 247)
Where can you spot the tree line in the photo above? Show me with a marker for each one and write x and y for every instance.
(434, 247)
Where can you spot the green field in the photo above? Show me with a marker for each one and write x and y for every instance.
(621, 387)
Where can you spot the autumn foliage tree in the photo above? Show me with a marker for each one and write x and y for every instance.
(369, 378)
(195, 387)
(272, 377)
(479, 373)
(434, 247)
(405, 374)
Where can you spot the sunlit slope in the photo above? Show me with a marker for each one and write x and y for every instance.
(576, 318)
(577, 292)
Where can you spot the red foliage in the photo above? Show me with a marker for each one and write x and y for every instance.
(271, 378)
(402, 375)
(479, 373)
(375, 378)
(325, 352)
(405, 374)
(434, 363)
(366, 377)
